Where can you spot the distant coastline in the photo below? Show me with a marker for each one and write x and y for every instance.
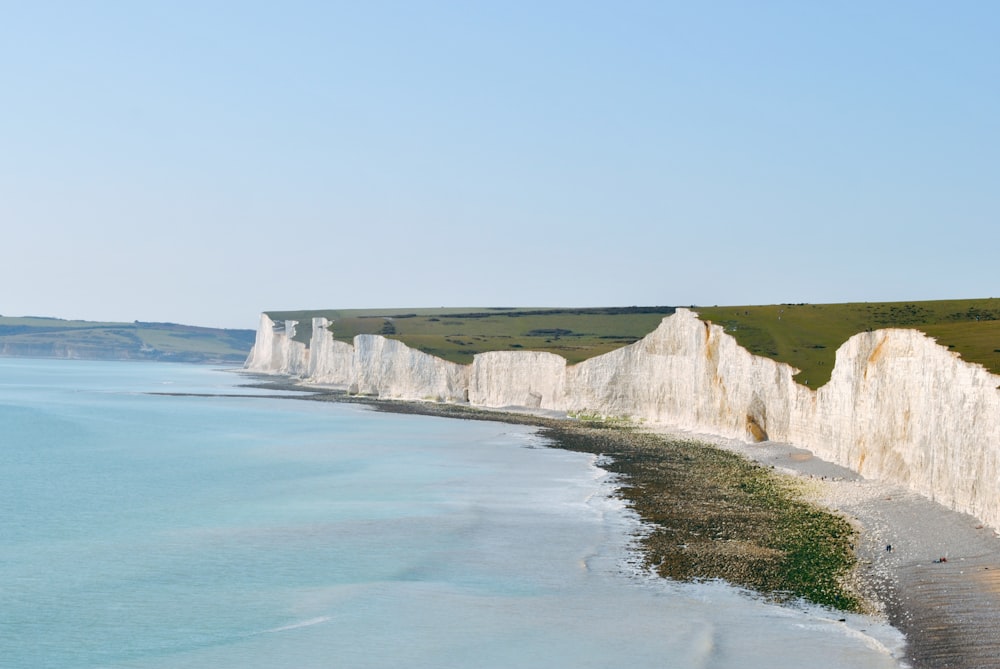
(34, 337)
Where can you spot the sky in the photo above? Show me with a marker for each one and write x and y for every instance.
(201, 162)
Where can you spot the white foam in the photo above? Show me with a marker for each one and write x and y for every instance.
(294, 626)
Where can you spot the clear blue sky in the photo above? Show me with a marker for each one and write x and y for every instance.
(200, 162)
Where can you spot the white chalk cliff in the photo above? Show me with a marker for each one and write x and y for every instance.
(275, 351)
(899, 407)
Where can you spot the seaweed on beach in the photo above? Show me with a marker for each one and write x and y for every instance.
(716, 515)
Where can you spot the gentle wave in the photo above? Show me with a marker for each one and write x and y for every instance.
(294, 626)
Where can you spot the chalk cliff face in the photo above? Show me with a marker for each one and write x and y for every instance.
(388, 368)
(331, 362)
(518, 378)
(275, 352)
(898, 407)
(374, 365)
(904, 408)
(690, 375)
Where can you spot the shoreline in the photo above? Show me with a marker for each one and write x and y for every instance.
(939, 584)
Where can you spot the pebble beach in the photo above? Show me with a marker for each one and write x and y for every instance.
(934, 572)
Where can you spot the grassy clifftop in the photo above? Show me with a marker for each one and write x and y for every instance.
(458, 334)
(805, 336)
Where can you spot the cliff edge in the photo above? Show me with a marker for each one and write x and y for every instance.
(899, 407)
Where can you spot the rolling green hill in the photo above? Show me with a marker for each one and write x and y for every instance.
(805, 336)
(57, 338)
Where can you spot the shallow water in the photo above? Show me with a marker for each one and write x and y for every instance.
(143, 530)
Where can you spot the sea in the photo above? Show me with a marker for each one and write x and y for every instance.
(157, 515)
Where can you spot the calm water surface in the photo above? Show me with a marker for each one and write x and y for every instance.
(152, 531)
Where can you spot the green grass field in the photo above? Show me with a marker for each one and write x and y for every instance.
(805, 336)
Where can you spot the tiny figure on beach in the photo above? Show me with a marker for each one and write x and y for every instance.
(888, 548)
(940, 560)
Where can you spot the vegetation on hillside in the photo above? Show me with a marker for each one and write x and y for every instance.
(54, 337)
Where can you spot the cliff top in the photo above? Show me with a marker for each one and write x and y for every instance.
(458, 334)
(805, 336)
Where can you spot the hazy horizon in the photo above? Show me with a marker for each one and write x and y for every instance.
(200, 163)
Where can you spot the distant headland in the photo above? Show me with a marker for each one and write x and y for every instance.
(37, 337)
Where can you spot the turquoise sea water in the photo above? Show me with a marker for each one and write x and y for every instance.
(141, 530)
